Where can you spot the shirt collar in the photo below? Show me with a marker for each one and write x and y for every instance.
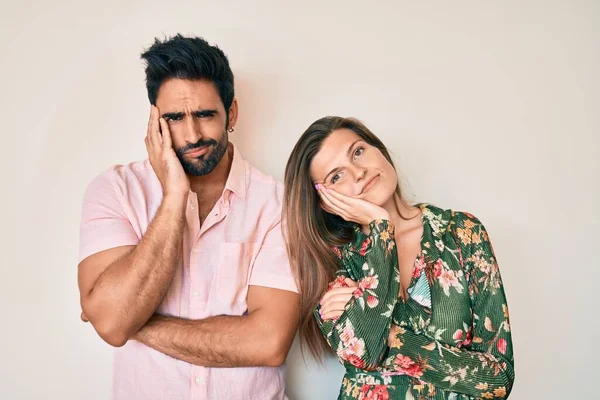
(237, 179)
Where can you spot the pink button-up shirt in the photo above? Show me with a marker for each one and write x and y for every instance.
(239, 244)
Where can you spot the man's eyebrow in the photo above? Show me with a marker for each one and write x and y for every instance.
(204, 113)
(171, 115)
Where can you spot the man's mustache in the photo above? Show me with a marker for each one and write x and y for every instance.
(198, 144)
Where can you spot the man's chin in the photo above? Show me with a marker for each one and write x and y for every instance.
(198, 168)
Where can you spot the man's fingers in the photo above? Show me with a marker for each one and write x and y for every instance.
(154, 133)
(166, 134)
(149, 121)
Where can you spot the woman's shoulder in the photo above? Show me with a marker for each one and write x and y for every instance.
(451, 224)
(446, 218)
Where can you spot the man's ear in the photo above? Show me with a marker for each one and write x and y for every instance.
(233, 113)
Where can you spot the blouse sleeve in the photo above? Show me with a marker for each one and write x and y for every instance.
(359, 336)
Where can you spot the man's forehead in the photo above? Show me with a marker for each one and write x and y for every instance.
(199, 93)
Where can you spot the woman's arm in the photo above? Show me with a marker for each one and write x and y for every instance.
(359, 335)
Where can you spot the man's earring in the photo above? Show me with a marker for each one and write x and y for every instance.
(230, 130)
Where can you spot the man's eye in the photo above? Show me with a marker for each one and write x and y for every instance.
(174, 118)
(358, 152)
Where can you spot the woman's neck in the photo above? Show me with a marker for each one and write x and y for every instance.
(402, 215)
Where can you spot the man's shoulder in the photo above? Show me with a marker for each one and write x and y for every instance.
(122, 177)
(263, 185)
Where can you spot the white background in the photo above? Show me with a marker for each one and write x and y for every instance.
(489, 107)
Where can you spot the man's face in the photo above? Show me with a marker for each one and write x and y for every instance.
(197, 121)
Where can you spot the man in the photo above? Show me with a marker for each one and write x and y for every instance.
(183, 266)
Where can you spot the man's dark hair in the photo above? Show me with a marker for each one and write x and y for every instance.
(187, 58)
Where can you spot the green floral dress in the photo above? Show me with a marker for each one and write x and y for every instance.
(449, 340)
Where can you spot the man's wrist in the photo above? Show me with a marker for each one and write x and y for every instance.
(175, 201)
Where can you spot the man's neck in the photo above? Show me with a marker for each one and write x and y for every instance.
(209, 187)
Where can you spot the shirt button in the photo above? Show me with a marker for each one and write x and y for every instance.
(198, 380)
(196, 294)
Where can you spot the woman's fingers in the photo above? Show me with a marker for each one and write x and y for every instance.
(340, 198)
(350, 282)
(333, 197)
(332, 315)
(332, 204)
(357, 210)
(334, 302)
(335, 292)
(338, 306)
(329, 206)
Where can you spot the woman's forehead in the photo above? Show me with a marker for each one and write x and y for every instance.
(334, 150)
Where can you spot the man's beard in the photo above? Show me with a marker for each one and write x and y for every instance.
(204, 164)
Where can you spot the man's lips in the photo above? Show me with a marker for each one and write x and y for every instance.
(197, 152)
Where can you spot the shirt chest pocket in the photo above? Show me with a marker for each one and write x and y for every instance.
(230, 286)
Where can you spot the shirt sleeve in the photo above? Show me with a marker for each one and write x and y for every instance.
(359, 336)
(104, 222)
(272, 266)
(483, 368)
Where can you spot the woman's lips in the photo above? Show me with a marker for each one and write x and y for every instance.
(370, 184)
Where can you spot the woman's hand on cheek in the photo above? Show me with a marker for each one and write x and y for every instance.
(350, 208)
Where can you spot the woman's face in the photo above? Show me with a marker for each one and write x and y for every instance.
(350, 166)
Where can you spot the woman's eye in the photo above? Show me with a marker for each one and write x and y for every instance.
(358, 152)
(335, 178)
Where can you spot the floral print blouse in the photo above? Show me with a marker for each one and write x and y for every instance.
(450, 339)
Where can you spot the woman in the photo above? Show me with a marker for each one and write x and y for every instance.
(408, 297)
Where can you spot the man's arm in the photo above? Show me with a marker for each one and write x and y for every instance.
(121, 287)
(263, 337)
